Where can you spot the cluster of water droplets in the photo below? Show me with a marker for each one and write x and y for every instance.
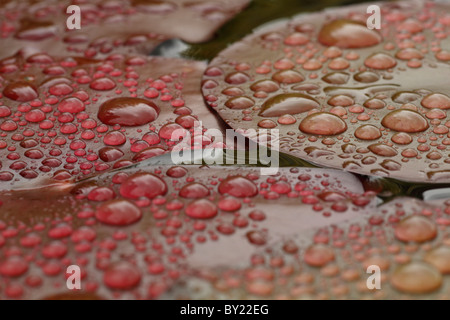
(407, 239)
(72, 117)
(343, 95)
(131, 231)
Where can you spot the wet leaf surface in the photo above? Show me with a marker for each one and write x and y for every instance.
(154, 225)
(69, 118)
(407, 238)
(87, 176)
(342, 95)
(125, 26)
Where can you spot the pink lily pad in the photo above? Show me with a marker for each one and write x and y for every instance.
(68, 118)
(136, 231)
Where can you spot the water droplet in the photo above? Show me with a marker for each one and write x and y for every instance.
(101, 194)
(296, 39)
(287, 119)
(382, 150)
(122, 276)
(35, 115)
(323, 123)
(288, 103)
(340, 100)
(405, 120)
(128, 112)
(345, 33)
(237, 78)
(201, 209)
(391, 165)
(408, 54)
(176, 172)
(436, 100)
(194, 190)
(229, 204)
(238, 186)
(71, 105)
(318, 255)
(366, 77)
(367, 132)
(440, 258)
(102, 84)
(381, 61)
(288, 77)
(20, 91)
(336, 78)
(374, 104)
(114, 138)
(258, 238)
(143, 185)
(415, 228)
(239, 103)
(405, 97)
(118, 213)
(13, 267)
(416, 278)
(265, 86)
(267, 124)
(148, 153)
(109, 154)
(401, 138)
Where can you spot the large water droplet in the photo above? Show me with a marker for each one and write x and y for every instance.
(404, 97)
(440, 258)
(194, 191)
(13, 267)
(436, 100)
(288, 103)
(318, 255)
(345, 33)
(109, 154)
(102, 84)
(405, 120)
(367, 132)
(288, 77)
(20, 91)
(118, 213)
(382, 150)
(416, 228)
(239, 103)
(128, 112)
(265, 85)
(201, 209)
(122, 276)
(381, 61)
(143, 185)
(71, 105)
(323, 123)
(238, 186)
(366, 77)
(336, 78)
(416, 278)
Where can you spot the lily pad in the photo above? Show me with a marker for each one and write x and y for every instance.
(135, 231)
(341, 95)
(406, 241)
(69, 118)
(135, 26)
